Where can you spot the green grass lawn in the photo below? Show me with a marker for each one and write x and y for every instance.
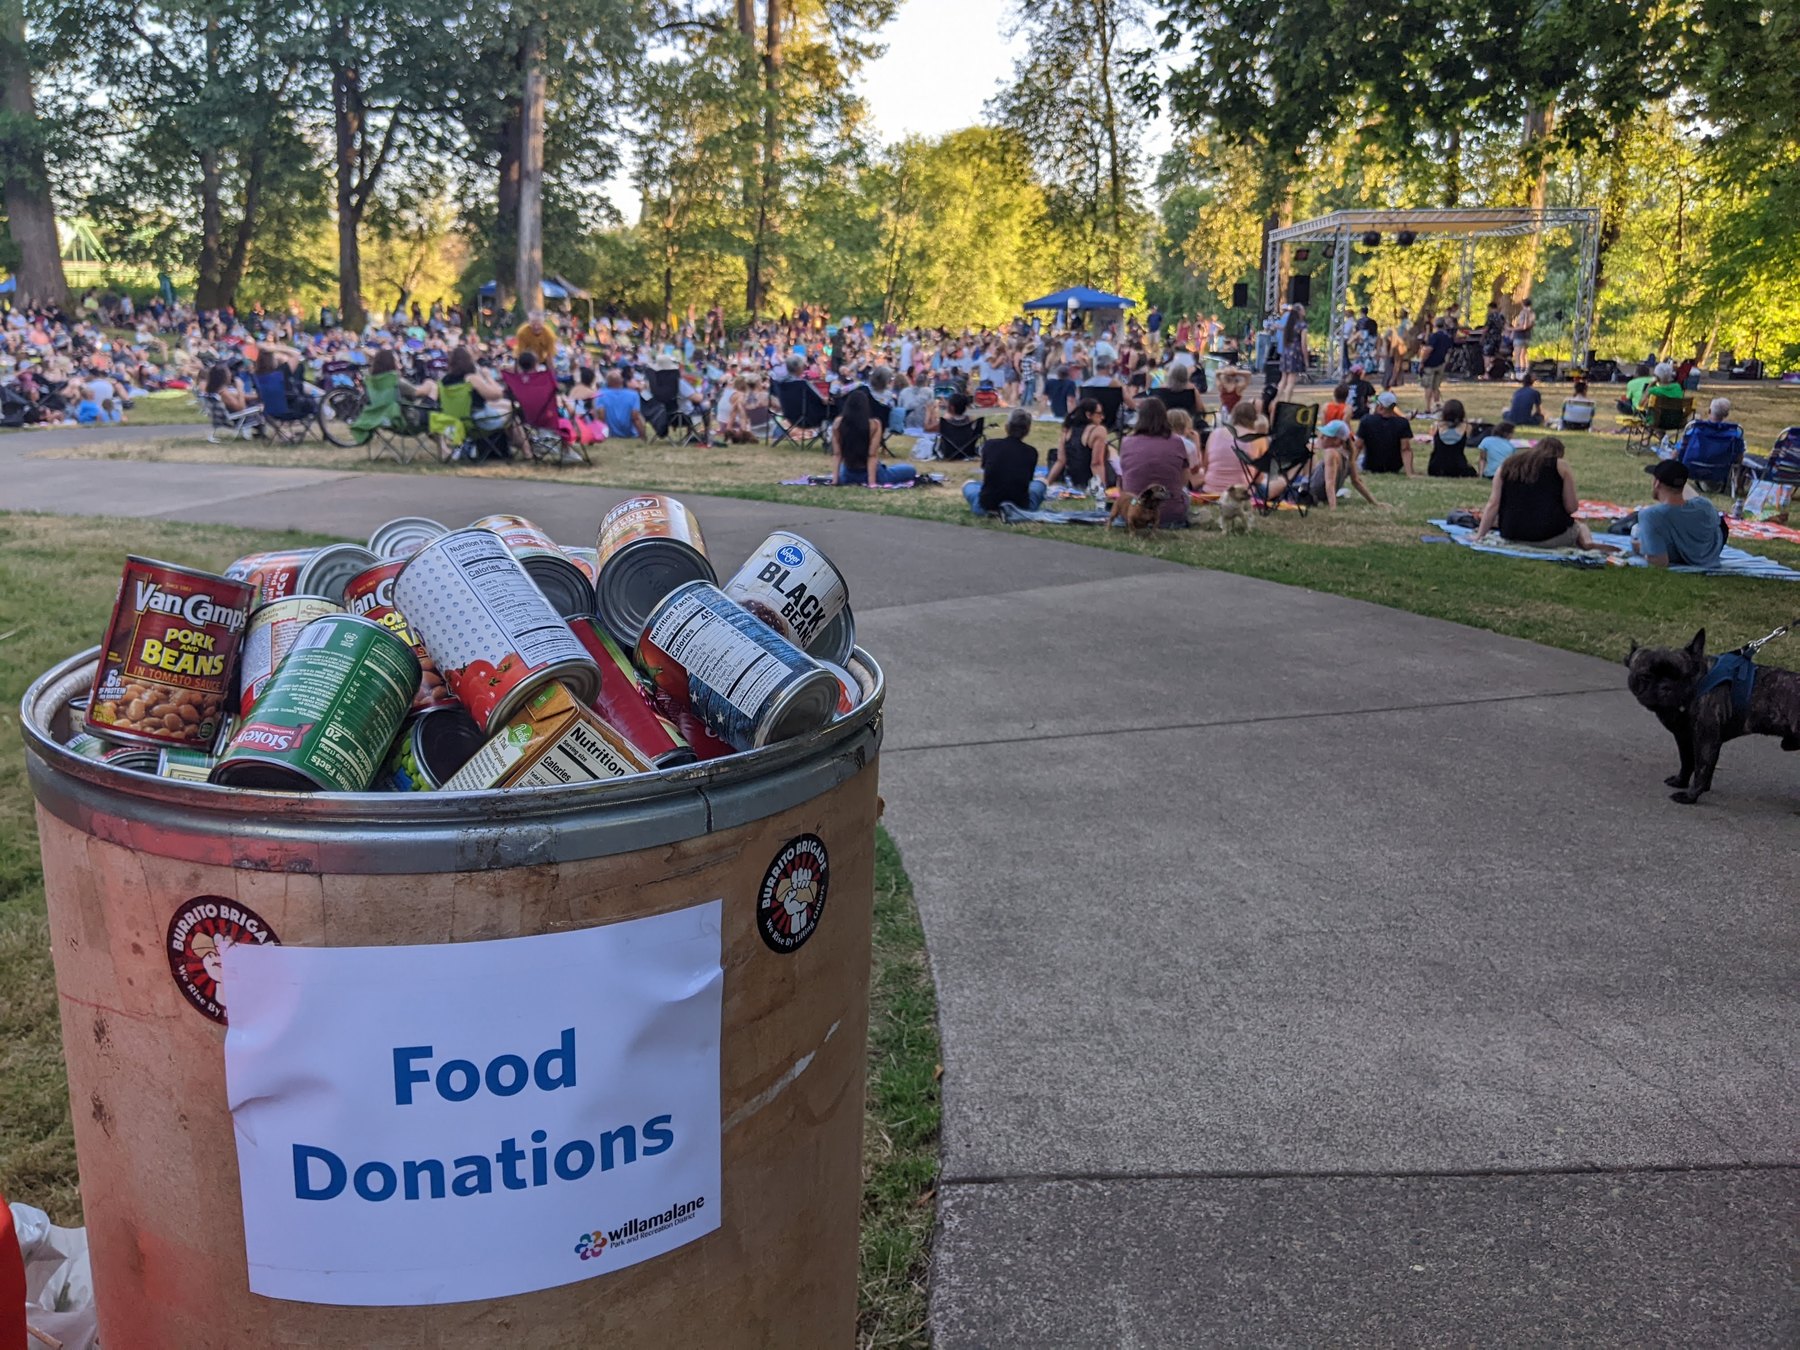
(1359, 551)
(57, 580)
(173, 407)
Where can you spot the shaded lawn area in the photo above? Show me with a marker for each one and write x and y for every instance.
(58, 576)
(1357, 551)
(171, 407)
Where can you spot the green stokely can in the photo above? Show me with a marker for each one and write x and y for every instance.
(326, 717)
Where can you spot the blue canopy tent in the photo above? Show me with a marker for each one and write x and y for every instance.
(1085, 297)
(8, 286)
(553, 290)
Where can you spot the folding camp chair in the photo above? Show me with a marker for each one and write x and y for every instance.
(961, 440)
(389, 425)
(1289, 456)
(453, 419)
(1714, 454)
(665, 412)
(1111, 399)
(536, 415)
(1660, 416)
(288, 420)
(1779, 469)
(1186, 400)
(236, 425)
(802, 409)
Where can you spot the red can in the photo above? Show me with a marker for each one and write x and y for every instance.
(169, 657)
(623, 702)
(274, 575)
(370, 593)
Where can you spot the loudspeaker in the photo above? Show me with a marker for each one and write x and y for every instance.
(1372, 239)
(1405, 238)
(1240, 296)
(1300, 289)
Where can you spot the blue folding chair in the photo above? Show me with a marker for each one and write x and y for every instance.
(1714, 455)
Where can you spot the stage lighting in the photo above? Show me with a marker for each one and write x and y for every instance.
(1405, 238)
(1372, 239)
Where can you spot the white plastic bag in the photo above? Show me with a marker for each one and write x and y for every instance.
(59, 1289)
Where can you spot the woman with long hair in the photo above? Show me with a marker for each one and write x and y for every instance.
(1534, 500)
(1294, 358)
(1081, 446)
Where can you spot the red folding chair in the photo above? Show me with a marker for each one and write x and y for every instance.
(538, 418)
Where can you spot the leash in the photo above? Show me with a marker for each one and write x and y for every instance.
(1750, 649)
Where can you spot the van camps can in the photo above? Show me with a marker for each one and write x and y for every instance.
(746, 682)
(491, 632)
(371, 594)
(327, 718)
(302, 571)
(648, 545)
(791, 586)
(404, 536)
(431, 747)
(624, 704)
(274, 627)
(562, 580)
(170, 652)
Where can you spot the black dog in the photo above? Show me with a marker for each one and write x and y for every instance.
(1668, 680)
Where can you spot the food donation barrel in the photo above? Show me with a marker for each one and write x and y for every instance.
(158, 887)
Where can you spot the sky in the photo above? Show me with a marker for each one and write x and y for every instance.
(938, 70)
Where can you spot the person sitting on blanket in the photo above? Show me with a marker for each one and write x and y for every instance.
(1494, 449)
(1386, 437)
(856, 444)
(1153, 454)
(1682, 528)
(1450, 442)
(1081, 449)
(1334, 462)
(623, 408)
(1008, 471)
(1527, 406)
(1534, 500)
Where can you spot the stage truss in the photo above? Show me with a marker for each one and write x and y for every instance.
(1343, 230)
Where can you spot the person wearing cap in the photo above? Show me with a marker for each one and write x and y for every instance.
(1534, 500)
(1334, 461)
(1386, 437)
(1682, 528)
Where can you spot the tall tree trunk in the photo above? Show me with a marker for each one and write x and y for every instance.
(30, 214)
(531, 173)
(1115, 183)
(347, 116)
(506, 212)
(1540, 121)
(231, 270)
(761, 246)
(207, 292)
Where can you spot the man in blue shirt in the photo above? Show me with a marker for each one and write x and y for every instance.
(622, 407)
(1679, 530)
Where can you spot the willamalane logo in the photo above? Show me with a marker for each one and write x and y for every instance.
(590, 1245)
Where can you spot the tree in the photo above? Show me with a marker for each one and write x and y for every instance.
(30, 212)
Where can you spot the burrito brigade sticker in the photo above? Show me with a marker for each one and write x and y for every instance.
(200, 934)
(793, 894)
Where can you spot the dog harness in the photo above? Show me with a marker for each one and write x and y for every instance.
(1734, 669)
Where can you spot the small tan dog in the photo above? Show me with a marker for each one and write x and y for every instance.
(1142, 512)
(1235, 513)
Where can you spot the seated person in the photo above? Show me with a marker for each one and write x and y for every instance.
(856, 444)
(1081, 446)
(1665, 385)
(1154, 454)
(1334, 463)
(1682, 527)
(1577, 410)
(1527, 406)
(623, 409)
(1339, 407)
(227, 390)
(1534, 500)
(1008, 471)
(1450, 443)
(489, 406)
(1494, 449)
(1234, 382)
(1362, 395)
(386, 362)
(1219, 467)
(1635, 388)
(1386, 437)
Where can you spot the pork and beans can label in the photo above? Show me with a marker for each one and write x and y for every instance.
(327, 718)
(791, 586)
(371, 594)
(747, 683)
(169, 656)
(274, 628)
(492, 634)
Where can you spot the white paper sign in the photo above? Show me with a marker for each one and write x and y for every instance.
(437, 1124)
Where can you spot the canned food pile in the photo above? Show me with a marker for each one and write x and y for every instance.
(462, 660)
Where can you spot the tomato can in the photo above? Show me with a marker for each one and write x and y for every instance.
(492, 634)
(430, 748)
(587, 559)
(624, 704)
(648, 545)
(404, 536)
(169, 656)
(747, 683)
(791, 586)
(562, 580)
(326, 720)
(274, 626)
(370, 593)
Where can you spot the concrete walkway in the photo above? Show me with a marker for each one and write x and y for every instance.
(1309, 972)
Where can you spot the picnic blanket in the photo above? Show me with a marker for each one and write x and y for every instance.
(1018, 515)
(826, 480)
(1615, 551)
(1740, 529)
